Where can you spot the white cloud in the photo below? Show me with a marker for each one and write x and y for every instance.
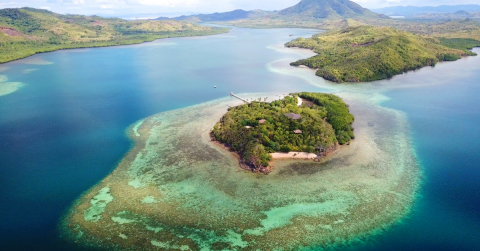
(193, 6)
(385, 3)
(170, 3)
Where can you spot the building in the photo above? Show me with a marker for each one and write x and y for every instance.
(298, 131)
(293, 115)
(262, 121)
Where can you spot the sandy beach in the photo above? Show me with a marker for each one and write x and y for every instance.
(294, 155)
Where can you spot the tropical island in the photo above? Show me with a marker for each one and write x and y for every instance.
(304, 122)
(177, 190)
(368, 53)
(27, 31)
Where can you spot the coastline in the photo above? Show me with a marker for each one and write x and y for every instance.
(112, 44)
(174, 168)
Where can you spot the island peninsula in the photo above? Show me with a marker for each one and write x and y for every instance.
(369, 53)
(304, 122)
(27, 31)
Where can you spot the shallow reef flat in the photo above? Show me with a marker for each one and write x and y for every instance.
(177, 190)
(36, 61)
(8, 87)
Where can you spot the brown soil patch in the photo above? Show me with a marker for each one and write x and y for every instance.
(11, 32)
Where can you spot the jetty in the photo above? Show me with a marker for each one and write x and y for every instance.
(233, 95)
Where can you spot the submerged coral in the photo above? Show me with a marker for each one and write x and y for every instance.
(176, 190)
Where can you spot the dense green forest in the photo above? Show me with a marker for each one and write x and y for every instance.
(464, 44)
(368, 53)
(325, 122)
(26, 31)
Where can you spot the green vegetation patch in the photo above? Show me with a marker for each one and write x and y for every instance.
(257, 129)
(367, 53)
(464, 44)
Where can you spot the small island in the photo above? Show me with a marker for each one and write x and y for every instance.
(303, 122)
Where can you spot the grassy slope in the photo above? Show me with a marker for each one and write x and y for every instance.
(367, 53)
(24, 32)
(466, 28)
(324, 123)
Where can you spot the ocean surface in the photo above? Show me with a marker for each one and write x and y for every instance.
(64, 130)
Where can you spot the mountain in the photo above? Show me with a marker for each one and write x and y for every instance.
(409, 11)
(26, 31)
(224, 16)
(320, 9)
(305, 11)
(461, 14)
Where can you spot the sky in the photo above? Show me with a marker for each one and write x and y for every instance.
(175, 7)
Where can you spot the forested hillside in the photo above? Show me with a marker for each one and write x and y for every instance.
(367, 53)
(26, 31)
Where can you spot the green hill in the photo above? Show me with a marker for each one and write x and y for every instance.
(254, 130)
(26, 31)
(367, 53)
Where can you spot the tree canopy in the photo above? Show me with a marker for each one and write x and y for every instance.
(257, 129)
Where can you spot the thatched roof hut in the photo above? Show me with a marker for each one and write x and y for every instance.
(293, 115)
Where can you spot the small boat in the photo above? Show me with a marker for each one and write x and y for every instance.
(215, 86)
(291, 35)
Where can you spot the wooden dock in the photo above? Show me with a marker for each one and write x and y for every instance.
(233, 95)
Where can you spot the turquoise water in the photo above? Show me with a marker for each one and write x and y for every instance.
(444, 119)
(63, 131)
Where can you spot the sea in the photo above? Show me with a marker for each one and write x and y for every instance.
(63, 130)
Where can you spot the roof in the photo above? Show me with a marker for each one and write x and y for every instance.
(262, 121)
(248, 127)
(293, 115)
(298, 131)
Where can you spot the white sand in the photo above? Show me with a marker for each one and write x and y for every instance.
(294, 155)
(300, 101)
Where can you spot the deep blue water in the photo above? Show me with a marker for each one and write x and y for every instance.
(445, 123)
(65, 130)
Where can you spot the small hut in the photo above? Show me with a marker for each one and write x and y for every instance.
(293, 116)
(298, 131)
(248, 127)
(262, 121)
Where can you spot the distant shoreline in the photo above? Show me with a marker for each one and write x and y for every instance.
(112, 44)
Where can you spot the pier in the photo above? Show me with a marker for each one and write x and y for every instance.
(233, 95)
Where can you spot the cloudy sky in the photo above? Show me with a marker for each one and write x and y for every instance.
(89, 7)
